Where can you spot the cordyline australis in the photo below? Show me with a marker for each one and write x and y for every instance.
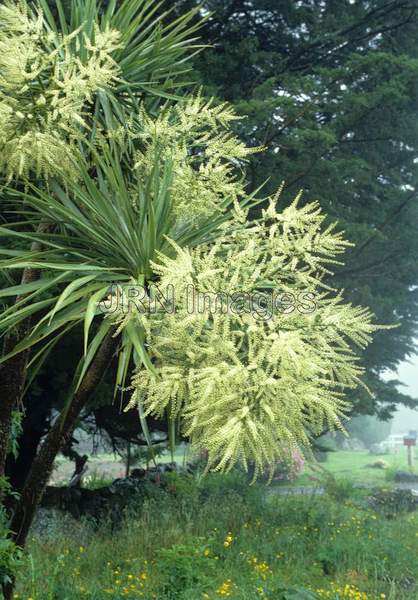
(44, 90)
(161, 201)
(178, 217)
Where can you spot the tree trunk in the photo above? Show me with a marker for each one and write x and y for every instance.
(35, 424)
(128, 460)
(56, 439)
(12, 379)
(13, 371)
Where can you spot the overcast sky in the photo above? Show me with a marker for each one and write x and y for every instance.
(405, 418)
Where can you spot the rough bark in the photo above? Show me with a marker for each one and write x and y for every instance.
(12, 378)
(56, 439)
(36, 424)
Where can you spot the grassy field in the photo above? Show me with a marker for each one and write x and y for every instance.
(356, 466)
(217, 537)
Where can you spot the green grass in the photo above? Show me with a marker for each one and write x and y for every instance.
(353, 465)
(220, 538)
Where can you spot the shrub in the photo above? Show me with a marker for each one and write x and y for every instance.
(289, 469)
(392, 470)
(10, 554)
(184, 566)
(216, 487)
(338, 488)
(183, 487)
(393, 502)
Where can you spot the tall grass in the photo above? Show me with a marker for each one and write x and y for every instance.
(221, 538)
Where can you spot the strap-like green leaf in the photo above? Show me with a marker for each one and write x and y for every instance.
(91, 311)
(92, 349)
(132, 332)
(71, 287)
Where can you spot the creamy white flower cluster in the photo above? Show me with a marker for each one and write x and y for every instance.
(45, 90)
(246, 388)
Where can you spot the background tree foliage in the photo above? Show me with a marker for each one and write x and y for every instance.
(331, 87)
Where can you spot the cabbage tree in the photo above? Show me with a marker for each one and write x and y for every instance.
(211, 300)
(166, 209)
